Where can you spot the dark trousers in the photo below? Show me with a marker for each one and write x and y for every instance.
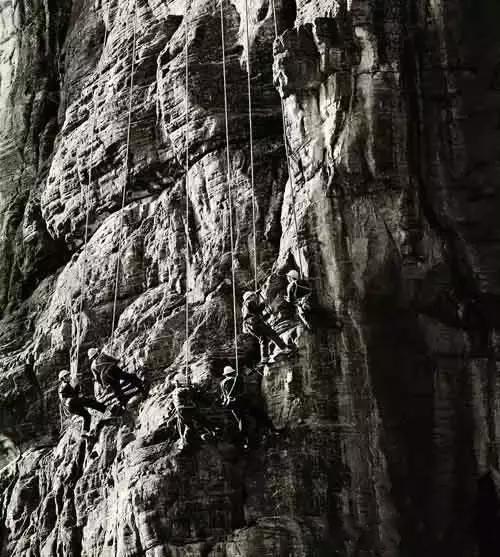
(246, 405)
(264, 332)
(189, 419)
(113, 381)
(78, 407)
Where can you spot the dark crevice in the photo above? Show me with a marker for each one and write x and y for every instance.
(379, 19)
(464, 282)
(263, 11)
(288, 13)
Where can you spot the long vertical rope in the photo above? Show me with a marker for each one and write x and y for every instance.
(127, 156)
(287, 154)
(250, 123)
(83, 277)
(229, 186)
(187, 192)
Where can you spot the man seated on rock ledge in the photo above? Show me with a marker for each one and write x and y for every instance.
(254, 323)
(107, 373)
(74, 403)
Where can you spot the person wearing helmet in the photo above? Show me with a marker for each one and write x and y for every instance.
(74, 403)
(299, 295)
(254, 324)
(242, 404)
(229, 385)
(185, 410)
(107, 373)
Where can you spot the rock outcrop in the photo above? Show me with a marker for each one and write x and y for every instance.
(375, 138)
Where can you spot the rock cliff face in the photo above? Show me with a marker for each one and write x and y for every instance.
(383, 191)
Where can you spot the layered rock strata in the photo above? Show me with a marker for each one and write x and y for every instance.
(375, 137)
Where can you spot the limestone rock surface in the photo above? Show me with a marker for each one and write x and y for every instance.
(375, 173)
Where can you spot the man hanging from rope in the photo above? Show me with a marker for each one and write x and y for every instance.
(107, 373)
(254, 323)
(235, 398)
(186, 413)
(299, 295)
(74, 403)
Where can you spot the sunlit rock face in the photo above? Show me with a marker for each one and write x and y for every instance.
(384, 197)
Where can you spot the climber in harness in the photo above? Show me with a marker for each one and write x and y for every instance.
(185, 411)
(107, 373)
(74, 403)
(299, 295)
(254, 323)
(235, 399)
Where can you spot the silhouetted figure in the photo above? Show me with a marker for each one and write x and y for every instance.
(239, 402)
(186, 412)
(255, 324)
(74, 403)
(299, 295)
(107, 373)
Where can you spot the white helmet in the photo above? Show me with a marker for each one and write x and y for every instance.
(293, 274)
(92, 353)
(248, 294)
(64, 374)
(179, 379)
(228, 370)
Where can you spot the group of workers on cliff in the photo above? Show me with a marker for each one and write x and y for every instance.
(110, 376)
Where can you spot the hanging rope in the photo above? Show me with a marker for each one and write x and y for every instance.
(187, 356)
(230, 191)
(287, 154)
(250, 123)
(86, 195)
(126, 164)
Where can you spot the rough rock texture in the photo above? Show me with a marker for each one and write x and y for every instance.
(389, 203)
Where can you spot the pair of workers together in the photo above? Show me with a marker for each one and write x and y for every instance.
(234, 398)
(256, 313)
(107, 374)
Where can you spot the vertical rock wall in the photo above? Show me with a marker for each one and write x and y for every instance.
(387, 202)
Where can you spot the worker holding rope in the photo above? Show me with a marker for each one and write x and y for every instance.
(107, 373)
(254, 323)
(74, 403)
(242, 404)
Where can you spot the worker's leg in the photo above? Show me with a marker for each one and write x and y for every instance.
(264, 349)
(133, 380)
(115, 386)
(93, 403)
(267, 331)
(76, 408)
(259, 414)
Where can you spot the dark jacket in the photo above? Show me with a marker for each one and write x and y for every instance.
(66, 391)
(104, 365)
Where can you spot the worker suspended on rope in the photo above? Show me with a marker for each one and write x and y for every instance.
(235, 398)
(186, 413)
(74, 403)
(299, 294)
(254, 323)
(107, 373)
